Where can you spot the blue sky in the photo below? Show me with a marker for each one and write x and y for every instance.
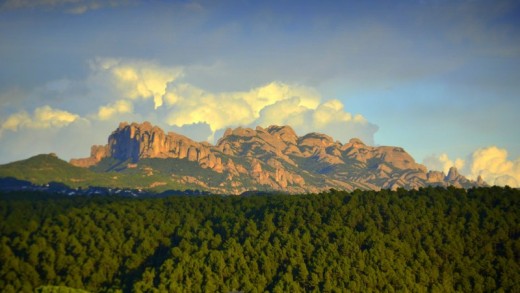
(439, 78)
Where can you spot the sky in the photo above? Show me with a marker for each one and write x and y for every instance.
(439, 78)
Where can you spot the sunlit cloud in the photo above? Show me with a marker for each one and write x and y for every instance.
(274, 103)
(43, 117)
(189, 104)
(443, 163)
(136, 79)
(493, 165)
(119, 107)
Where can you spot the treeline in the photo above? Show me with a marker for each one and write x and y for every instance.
(431, 239)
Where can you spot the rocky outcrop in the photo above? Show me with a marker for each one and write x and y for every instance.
(435, 177)
(457, 180)
(481, 182)
(132, 142)
(272, 158)
(97, 152)
(453, 175)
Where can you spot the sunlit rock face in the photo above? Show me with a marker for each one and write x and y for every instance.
(272, 158)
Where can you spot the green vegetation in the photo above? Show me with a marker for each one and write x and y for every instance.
(42, 169)
(432, 239)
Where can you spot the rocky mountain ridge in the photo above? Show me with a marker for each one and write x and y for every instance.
(272, 158)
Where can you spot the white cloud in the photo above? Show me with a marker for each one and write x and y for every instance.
(274, 103)
(268, 94)
(14, 121)
(190, 104)
(328, 117)
(124, 89)
(493, 165)
(43, 117)
(119, 107)
(136, 79)
(285, 112)
(125, 82)
(506, 180)
(443, 163)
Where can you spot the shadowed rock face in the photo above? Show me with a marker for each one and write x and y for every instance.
(274, 158)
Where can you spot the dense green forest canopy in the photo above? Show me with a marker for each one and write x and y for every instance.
(431, 239)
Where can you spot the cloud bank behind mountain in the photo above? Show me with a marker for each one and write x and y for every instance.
(127, 89)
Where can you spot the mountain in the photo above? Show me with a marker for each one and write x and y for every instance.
(272, 158)
(46, 168)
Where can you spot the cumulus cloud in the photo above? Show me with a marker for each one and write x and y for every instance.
(119, 88)
(138, 90)
(119, 107)
(328, 117)
(136, 79)
(493, 165)
(43, 117)
(274, 103)
(289, 111)
(443, 163)
(189, 104)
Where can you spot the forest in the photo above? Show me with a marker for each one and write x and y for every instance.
(431, 239)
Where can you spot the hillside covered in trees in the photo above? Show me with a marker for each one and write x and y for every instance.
(431, 239)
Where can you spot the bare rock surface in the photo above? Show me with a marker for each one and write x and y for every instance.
(272, 158)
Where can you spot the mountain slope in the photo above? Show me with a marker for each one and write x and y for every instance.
(274, 158)
(40, 168)
(46, 168)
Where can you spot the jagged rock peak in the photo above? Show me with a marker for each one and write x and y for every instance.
(143, 125)
(122, 125)
(133, 129)
(356, 142)
(286, 133)
(274, 158)
(274, 129)
(244, 132)
(481, 182)
(315, 139)
(228, 132)
(273, 132)
(453, 174)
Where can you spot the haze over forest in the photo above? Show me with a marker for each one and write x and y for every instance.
(438, 78)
